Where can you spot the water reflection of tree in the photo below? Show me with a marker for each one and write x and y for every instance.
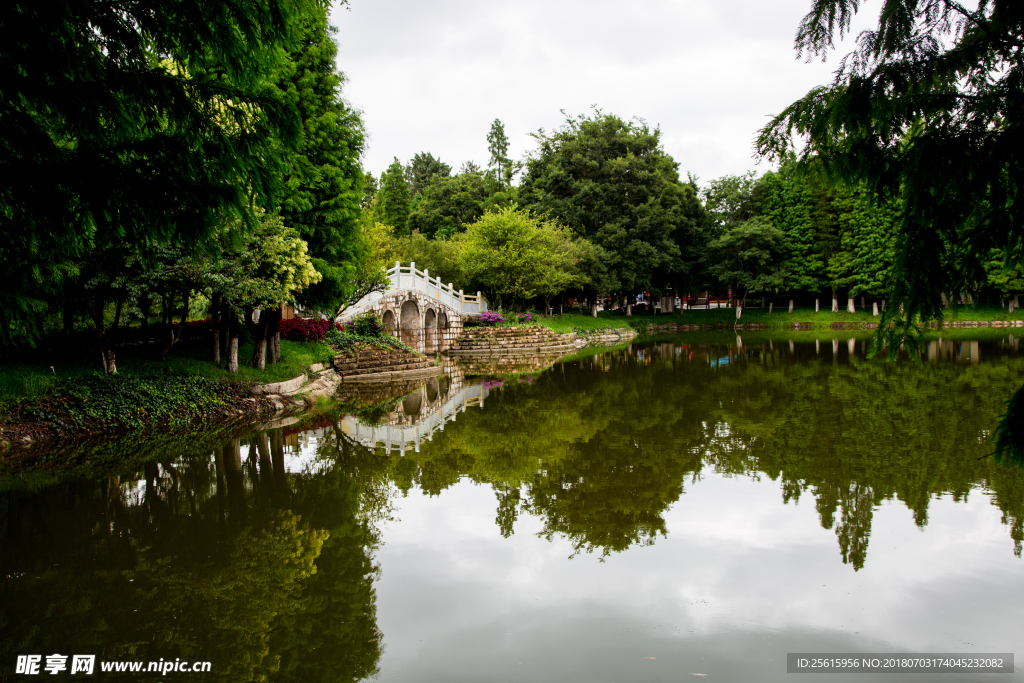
(226, 558)
(600, 447)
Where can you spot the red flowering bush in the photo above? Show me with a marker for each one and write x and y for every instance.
(306, 329)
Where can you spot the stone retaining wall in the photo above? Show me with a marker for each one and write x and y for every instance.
(606, 337)
(511, 341)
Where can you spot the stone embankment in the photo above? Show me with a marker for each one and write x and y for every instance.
(380, 365)
(511, 341)
(606, 337)
(368, 364)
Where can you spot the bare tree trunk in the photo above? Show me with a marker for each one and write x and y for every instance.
(274, 336)
(850, 307)
(232, 340)
(835, 302)
(259, 352)
(862, 304)
(790, 305)
(945, 299)
(117, 314)
(215, 327)
(593, 309)
(629, 310)
(817, 305)
(874, 308)
(771, 305)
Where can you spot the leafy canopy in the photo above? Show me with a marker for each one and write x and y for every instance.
(926, 110)
(612, 183)
(134, 123)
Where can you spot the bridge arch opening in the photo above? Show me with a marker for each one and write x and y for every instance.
(432, 391)
(409, 324)
(430, 331)
(389, 322)
(412, 404)
(442, 330)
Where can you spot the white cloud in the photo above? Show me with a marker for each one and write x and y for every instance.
(433, 76)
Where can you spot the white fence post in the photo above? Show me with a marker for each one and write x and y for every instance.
(462, 301)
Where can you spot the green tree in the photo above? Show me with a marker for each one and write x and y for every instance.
(421, 169)
(269, 267)
(392, 205)
(324, 180)
(788, 203)
(924, 111)
(612, 183)
(747, 257)
(514, 256)
(447, 204)
(156, 121)
(497, 146)
(439, 256)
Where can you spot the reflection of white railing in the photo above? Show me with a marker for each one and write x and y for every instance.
(408, 277)
(400, 436)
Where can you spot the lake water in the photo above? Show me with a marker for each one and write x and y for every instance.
(697, 505)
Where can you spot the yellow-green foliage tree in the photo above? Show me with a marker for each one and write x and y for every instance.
(513, 256)
(369, 275)
(259, 270)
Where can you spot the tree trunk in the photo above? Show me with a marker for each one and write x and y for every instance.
(593, 309)
(883, 305)
(232, 341)
(771, 305)
(248, 317)
(874, 308)
(106, 355)
(790, 305)
(117, 313)
(629, 310)
(862, 304)
(215, 327)
(259, 352)
(739, 309)
(850, 307)
(945, 299)
(817, 305)
(835, 302)
(274, 336)
(1016, 301)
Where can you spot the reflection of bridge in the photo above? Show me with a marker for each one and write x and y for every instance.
(417, 417)
(422, 311)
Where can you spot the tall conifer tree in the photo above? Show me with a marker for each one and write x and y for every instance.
(324, 182)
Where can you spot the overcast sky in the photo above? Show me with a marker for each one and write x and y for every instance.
(432, 76)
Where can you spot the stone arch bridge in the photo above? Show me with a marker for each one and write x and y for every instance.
(421, 311)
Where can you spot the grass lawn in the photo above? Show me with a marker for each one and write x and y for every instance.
(569, 322)
(32, 376)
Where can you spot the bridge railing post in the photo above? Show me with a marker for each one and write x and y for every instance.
(462, 300)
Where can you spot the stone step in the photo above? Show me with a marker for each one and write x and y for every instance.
(386, 369)
(378, 362)
(510, 345)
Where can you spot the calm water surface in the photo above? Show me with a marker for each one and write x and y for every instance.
(700, 505)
